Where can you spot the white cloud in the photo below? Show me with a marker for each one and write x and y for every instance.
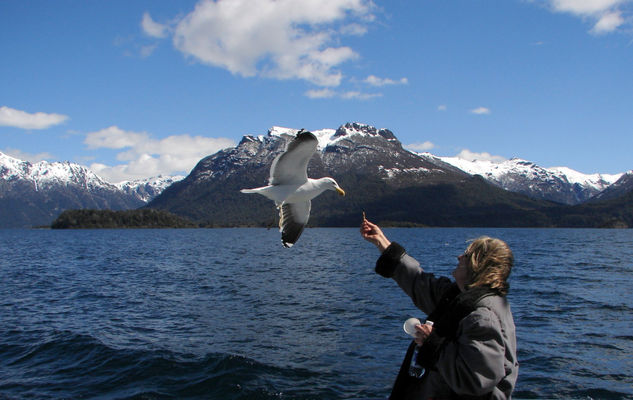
(147, 51)
(480, 111)
(584, 7)
(21, 155)
(114, 138)
(376, 81)
(153, 28)
(608, 23)
(442, 107)
(605, 15)
(354, 29)
(144, 156)
(281, 39)
(359, 95)
(327, 93)
(324, 93)
(420, 146)
(471, 156)
(23, 120)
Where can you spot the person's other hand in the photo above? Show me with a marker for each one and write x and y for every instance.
(422, 332)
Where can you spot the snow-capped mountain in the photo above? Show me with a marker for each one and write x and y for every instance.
(352, 146)
(43, 174)
(379, 175)
(385, 180)
(559, 184)
(619, 188)
(146, 189)
(35, 193)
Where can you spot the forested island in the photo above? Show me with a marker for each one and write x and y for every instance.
(108, 219)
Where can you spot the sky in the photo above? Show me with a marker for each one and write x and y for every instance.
(135, 89)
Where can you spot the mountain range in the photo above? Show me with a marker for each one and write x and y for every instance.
(380, 176)
(34, 194)
(558, 184)
(392, 184)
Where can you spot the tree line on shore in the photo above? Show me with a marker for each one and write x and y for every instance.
(108, 219)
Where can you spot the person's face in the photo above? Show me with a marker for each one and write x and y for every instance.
(461, 272)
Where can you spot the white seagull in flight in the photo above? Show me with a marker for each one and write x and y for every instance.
(291, 189)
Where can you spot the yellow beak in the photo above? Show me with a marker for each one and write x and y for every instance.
(340, 191)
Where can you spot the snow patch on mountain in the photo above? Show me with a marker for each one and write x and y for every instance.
(395, 172)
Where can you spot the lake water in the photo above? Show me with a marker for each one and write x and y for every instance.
(231, 314)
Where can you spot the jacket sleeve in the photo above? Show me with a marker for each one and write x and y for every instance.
(474, 363)
(424, 288)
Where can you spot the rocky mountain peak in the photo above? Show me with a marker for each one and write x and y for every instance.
(355, 128)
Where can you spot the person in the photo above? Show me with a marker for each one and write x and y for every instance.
(470, 350)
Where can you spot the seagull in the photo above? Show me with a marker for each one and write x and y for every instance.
(291, 189)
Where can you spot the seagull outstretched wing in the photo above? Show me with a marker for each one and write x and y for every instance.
(290, 167)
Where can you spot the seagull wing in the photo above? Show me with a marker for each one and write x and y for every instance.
(293, 217)
(290, 167)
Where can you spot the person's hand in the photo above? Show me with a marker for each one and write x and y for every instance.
(422, 332)
(373, 234)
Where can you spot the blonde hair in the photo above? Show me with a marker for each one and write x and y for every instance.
(490, 264)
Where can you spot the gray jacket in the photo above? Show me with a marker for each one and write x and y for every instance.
(483, 357)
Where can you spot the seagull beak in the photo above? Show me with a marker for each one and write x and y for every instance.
(340, 191)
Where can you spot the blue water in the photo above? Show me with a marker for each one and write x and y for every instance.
(230, 314)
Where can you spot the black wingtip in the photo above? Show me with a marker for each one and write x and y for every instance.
(290, 234)
(290, 230)
(303, 134)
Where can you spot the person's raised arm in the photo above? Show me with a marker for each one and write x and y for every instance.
(373, 234)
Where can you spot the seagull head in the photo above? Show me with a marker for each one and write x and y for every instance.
(331, 184)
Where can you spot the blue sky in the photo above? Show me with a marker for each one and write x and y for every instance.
(134, 89)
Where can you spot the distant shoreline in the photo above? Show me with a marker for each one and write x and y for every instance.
(159, 219)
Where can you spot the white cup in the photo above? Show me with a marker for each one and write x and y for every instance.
(409, 326)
